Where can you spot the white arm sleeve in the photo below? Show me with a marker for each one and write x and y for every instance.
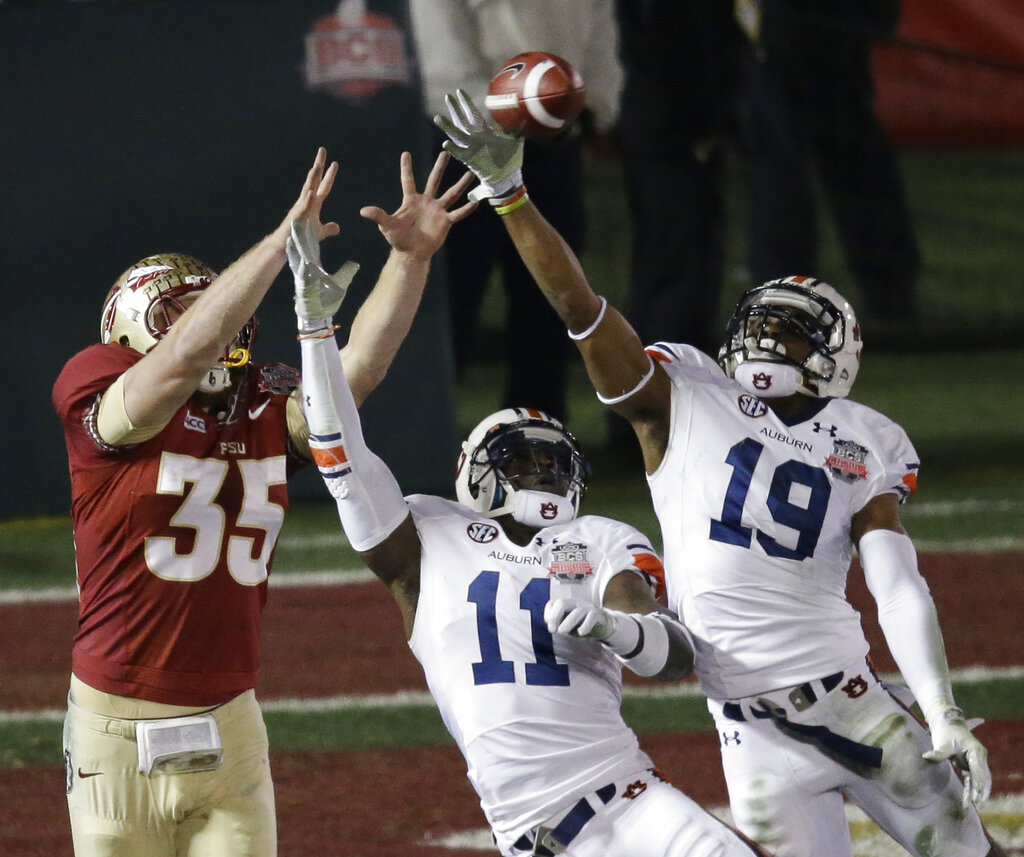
(370, 502)
(908, 618)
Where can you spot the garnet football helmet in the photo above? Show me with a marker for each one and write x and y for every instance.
(146, 300)
(539, 446)
(812, 310)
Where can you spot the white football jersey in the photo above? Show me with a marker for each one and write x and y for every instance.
(537, 718)
(755, 517)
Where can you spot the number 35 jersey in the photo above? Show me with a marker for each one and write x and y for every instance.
(755, 516)
(537, 718)
(174, 537)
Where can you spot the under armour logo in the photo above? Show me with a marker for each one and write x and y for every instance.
(818, 427)
(855, 687)
(548, 511)
(634, 790)
(735, 737)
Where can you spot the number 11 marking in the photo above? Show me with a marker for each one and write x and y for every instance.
(492, 668)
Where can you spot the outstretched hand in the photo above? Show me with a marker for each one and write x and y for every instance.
(317, 293)
(315, 189)
(494, 156)
(420, 224)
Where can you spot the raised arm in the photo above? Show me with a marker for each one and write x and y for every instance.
(622, 373)
(370, 504)
(163, 380)
(415, 231)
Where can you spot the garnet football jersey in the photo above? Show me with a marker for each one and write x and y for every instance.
(174, 537)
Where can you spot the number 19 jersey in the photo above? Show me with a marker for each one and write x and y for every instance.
(536, 718)
(755, 516)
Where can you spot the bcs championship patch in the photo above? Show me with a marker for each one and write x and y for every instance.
(847, 460)
(569, 562)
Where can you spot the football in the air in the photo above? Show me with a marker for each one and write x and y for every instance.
(535, 94)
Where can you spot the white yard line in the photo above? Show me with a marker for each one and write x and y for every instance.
(348, 576)
(415, 698)
(283, 580)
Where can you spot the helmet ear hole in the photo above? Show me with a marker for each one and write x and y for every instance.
(123, 340)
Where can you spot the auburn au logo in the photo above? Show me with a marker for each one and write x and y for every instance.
(634, 790)
(855, 687)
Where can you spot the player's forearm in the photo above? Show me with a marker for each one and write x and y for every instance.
(613, 354)
(370, 502)
(383, 322)
(915, 640)
(159, 384)
(907, 616)
(553, 266)
(200, 336)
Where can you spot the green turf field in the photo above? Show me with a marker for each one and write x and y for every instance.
(961, 403)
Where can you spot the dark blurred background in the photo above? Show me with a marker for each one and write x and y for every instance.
(132, 128)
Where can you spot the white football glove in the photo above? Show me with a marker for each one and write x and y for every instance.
(952, 739)
(317, 293)
(574, 618)
(494, 156)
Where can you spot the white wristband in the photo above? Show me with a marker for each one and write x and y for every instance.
(614, 400)
(576, 337)
(650, 652)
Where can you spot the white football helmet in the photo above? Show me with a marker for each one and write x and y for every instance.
(146, 300)
(536, 441)
(811, 309)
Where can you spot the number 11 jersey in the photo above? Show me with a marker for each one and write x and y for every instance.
(536, 717)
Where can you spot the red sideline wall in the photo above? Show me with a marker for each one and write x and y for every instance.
(954, 74)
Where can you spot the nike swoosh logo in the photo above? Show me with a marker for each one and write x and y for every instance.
(86, 776)
(255, 412)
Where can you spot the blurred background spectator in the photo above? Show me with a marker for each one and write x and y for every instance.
(807, 118)
(677, 112)
(462, 43)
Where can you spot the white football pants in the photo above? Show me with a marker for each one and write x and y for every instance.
(787, 794)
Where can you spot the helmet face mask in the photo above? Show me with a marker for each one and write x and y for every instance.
(808, 312)
(519, 458)
(151, 295)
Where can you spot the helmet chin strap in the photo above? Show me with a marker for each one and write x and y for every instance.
(216, 380)
(768, 380)
(541, 509)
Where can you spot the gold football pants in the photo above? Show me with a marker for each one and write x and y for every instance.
(117, 811)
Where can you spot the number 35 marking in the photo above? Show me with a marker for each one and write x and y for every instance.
(209, 521)
(807, 521)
